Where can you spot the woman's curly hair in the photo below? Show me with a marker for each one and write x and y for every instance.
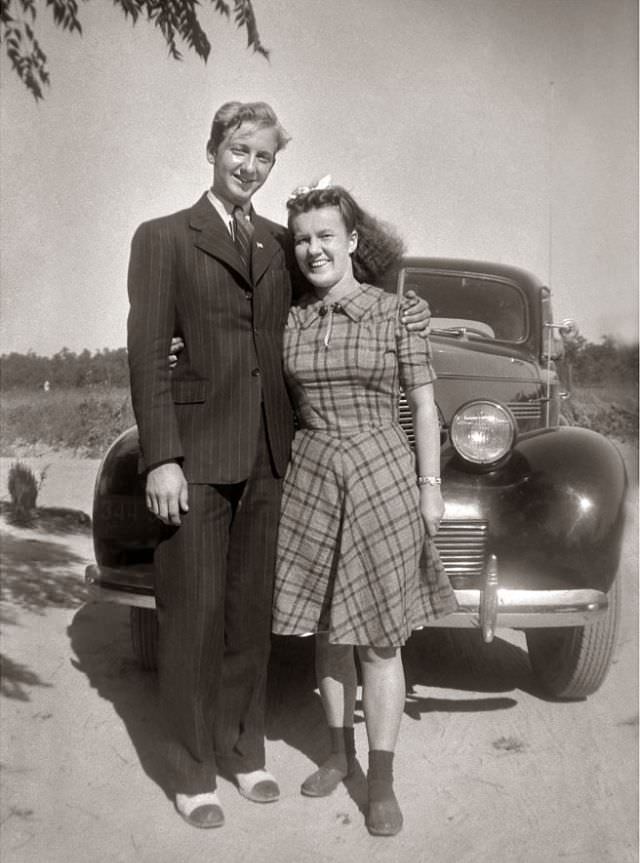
(379, 246)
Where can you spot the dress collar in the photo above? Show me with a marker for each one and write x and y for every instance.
(355, 305)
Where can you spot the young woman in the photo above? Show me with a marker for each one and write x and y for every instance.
(356, 563)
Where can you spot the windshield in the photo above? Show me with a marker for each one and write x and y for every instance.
(473, 306)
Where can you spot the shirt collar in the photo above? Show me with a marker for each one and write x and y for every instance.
(221, 210)
(224, 212)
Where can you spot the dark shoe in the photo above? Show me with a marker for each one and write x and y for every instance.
(258, 786)
(323, 782)
(384, 817)
(200, 810)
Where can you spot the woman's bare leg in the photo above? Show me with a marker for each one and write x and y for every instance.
(337, 681)
(383, 694)
(383, 697)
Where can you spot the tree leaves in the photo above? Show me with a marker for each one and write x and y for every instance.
(245, 17)
(65, 14)
(177, 20)
(23, 50)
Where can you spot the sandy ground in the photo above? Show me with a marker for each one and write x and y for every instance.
(487, 770)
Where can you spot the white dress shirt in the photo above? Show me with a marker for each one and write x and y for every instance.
(222, 211)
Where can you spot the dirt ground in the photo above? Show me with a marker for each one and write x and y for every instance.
(487, 769)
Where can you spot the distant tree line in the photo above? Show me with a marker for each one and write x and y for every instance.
(590, 364)
(65, 370)
(587, 363)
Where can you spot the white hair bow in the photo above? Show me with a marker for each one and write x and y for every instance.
(322, 183)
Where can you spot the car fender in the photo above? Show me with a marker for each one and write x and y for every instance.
(125, 533)
(554, 508)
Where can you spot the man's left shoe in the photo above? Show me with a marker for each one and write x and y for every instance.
(259, 786)
(200, 810)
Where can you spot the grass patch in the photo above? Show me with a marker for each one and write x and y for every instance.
(87, 420)
(610, 410)
(83, 420)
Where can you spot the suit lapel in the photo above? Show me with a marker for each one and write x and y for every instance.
(265, 247)
(212, 236)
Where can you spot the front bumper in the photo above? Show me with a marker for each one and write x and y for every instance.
(487, 609)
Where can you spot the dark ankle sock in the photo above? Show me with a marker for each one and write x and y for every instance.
(349, 742)
(343, 740)
(380, 775)
(342, 749)
(381, 764)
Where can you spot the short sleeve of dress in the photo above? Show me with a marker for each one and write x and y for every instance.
(414, 359)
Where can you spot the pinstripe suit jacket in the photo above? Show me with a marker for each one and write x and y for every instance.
(186, 278)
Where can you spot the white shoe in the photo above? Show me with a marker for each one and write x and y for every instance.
(259, 786)
(200, 810)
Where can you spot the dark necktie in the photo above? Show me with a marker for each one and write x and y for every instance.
(242, 236)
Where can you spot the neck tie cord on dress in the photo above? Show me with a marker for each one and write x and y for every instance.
(330, 309)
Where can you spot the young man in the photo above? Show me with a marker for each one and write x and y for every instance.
(215, 434)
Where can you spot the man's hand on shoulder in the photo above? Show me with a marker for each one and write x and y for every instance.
(175, 349)
(167, 493)
(416, 314)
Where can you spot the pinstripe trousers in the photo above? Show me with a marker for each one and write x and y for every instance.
(214, 593)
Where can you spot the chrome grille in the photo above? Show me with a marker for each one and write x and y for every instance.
(526, 410)
(521, 411)
(462, 546)
(406, 420)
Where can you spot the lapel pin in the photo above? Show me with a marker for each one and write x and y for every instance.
(259, 245)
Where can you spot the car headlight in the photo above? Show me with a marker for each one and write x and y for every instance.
(482, 432)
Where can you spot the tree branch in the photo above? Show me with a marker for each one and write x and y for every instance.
(177, 20)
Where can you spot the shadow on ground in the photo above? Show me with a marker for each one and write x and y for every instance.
(36, 575)
(99, 637)
(15, 678)
(49, 519)
(460, 660)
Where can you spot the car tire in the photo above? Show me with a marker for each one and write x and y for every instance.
(572, 663)
(143, 623)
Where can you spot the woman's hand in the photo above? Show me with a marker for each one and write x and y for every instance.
(416, 314)
(177, 346)
(431, 507)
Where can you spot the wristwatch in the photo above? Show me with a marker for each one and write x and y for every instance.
(429, 480)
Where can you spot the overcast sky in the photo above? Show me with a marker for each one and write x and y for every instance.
(503, 130)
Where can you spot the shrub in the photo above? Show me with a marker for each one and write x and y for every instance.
(607, 410)
(23, 489)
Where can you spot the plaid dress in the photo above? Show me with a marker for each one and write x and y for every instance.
(353, 557)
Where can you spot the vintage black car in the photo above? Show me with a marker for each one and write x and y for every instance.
(532, 529)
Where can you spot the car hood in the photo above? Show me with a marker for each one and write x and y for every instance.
(480, 359)
(467, 370)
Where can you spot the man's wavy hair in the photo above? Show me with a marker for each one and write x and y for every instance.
(231, 115)
(379, 246)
